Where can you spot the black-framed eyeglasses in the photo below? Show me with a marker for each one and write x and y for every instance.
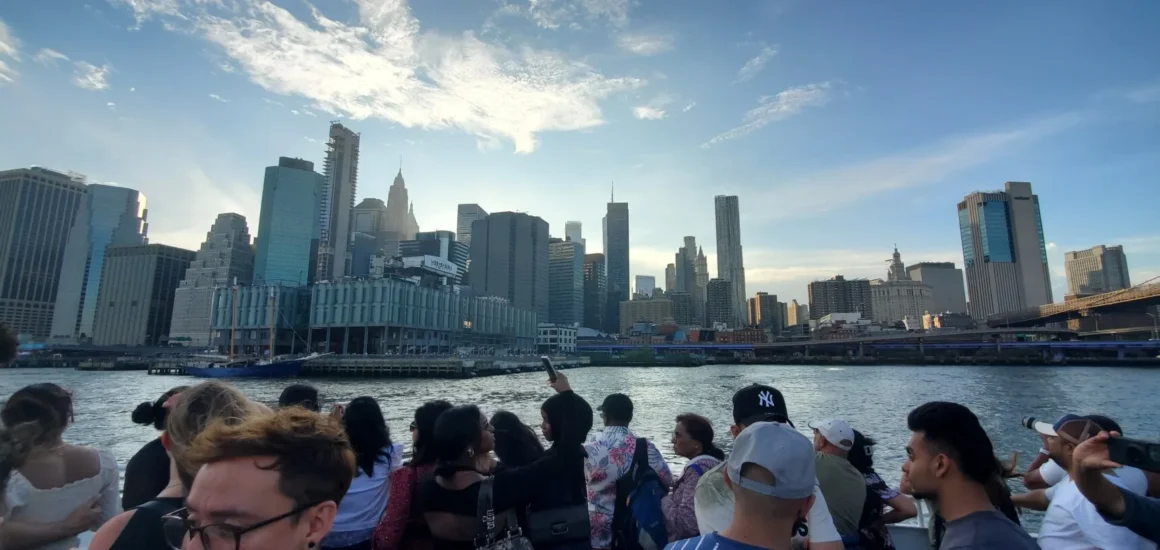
(215, 536)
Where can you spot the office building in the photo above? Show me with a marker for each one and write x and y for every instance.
(573, 231)
(224, 258)
(110, 216)
(898, 297)
(565, 282)
(689, 278)
(554, 339)
(764, 311)
(340, 172)
(287, 244)
(838, 295)
(392, 316)
(1096, 270)
(369, 219)
(616, 254)
(595, 291)
(37, 209)
(946, 285)
(400, 210)
(683, 310)
(441, 244)
(246, 328)
(1004, 252)
(730, 264)
(466, 216)
(136, 296)
(657, 312)
(670, 278)
(509, 259)
(646, 285)
(719, 303)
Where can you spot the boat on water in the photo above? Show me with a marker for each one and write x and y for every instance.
(278, 367)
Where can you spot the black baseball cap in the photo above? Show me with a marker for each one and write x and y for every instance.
(618, 406)
(759, 403)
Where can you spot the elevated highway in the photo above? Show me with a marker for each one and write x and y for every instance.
(1129, 300)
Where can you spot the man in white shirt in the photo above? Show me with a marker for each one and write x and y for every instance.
(1071, 522)
(714, 501)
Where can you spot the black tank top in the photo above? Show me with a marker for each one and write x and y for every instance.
(144, 531)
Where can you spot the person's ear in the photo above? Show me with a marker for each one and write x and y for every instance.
(728, 482)
(166, 441)
(735, 430)
(320, 523)
(941, 465)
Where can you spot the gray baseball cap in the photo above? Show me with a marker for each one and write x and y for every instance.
(776, 447)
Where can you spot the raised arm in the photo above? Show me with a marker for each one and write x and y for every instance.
(389, 532)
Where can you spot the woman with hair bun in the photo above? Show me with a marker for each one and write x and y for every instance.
(148, 471)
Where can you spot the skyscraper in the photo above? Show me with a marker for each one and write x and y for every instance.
(618, 261)
(1096, 270)
(37, 209)
(1004, 251)
(401, 211)
(946, 284)
(765, 312)
(899, 297)
(719, 302)
(466, 216)
(340, 184)
(509, 259)
(441, 244)
(670, 278)
(574, 231)
(565, 281)
(687, 277)
(137, 290)
(646, 285)
(287, 244)
(224, 257)
(730, 265)
(838, 295)
(595, 291)
(110, 216)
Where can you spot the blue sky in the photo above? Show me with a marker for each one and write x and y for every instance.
(844, 127)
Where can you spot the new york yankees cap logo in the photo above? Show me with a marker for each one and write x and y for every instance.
(759, 403)
(765, 399)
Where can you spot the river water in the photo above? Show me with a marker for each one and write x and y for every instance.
(875, 400)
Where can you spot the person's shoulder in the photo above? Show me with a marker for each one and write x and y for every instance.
(108, 534)
(692, 542)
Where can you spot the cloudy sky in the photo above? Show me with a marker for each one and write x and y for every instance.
(844, 127)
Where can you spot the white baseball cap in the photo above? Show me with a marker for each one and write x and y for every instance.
(782, 450)
(836, 431)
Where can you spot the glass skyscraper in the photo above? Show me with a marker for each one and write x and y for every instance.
(288, 232)
(616, 252)
(109, 217)
(1004, 251)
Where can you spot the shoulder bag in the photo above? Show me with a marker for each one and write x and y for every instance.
(489, 537)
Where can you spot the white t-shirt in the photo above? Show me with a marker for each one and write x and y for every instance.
(1052, 473)
(713, 503)
(1072, 523)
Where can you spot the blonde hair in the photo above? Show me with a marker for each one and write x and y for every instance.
(196, 409)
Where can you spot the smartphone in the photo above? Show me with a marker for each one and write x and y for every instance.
(549, 368)
(1144, 455)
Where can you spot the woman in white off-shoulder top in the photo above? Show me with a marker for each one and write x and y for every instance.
(62, 490)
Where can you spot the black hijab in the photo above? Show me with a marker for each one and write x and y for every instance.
(570, 418)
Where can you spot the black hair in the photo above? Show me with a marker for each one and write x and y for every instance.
(368, 433)
(515, 443)
(701, 430)
(48, 406)
(299, 395)
(425, 417)
(955, 431)
(15, 443)
(155, 413)
(457, 430)
(861, 455)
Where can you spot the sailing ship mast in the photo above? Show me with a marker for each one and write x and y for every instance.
(234, 321)
(273, 303)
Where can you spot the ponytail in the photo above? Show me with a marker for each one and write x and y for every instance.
(714, 451)
(155, 413)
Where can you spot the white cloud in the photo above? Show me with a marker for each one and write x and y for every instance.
(552, 14)
(310, 139)
(386, 67)
(111, 105)
(688, 107)
(645, 112)
(49, 56)
(91, 77)
(309, 113)
(754, 66)
(1050, 246)
(219, 98)
(9, 47)
(778, 107)
(645, 43)
(132, 89)
(272, 102)
(295, 111)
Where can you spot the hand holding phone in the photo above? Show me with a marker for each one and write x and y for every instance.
(548, 368)
(1136, 453)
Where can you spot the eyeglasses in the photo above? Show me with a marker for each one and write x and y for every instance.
(216, 536)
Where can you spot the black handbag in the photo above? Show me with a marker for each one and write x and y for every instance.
(557, 525)
(491, 538)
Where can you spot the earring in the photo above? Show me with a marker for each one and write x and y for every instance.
(310, 544)
(471, 453)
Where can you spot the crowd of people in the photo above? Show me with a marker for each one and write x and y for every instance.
(228, 472)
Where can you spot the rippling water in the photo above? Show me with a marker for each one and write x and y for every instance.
(874, 400)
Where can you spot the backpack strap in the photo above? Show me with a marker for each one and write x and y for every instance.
(486, 513)
(697, 468)
(639, 456)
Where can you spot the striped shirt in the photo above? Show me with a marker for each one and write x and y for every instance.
(712, 541)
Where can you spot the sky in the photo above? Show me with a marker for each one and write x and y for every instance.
(845, 128)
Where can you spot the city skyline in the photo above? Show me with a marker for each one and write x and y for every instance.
(214, 126)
